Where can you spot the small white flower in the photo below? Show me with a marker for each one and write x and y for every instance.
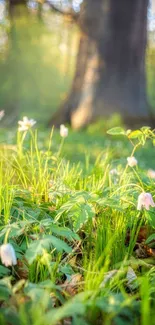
(145, 200)
(132, 161)
(113, 171)
(26, 124)
(7, 254)
(2, 113)
(151, 173)
(63, 131)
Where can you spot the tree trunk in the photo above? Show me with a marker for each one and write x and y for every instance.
(110, 69)
(12, 6)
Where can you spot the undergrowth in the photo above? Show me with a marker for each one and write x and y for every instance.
(85, 254)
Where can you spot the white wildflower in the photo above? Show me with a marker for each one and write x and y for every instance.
(132, 161)
(2, 113)
(26, 124)
(113, 171)
(151, 173)
(63, 131)
(7, 254)
(145, 200)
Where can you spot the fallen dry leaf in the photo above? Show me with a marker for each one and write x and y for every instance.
(22, 269)
(71, 286)
(149, 251)
(144, 251)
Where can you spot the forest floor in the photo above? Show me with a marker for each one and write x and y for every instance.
(83, 237)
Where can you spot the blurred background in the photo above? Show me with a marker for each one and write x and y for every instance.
(38, 52)
(38, 49)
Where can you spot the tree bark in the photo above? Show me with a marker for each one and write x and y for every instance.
(12, 6)
(110, 70)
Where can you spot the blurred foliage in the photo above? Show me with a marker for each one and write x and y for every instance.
(36, 63)
(150, 69)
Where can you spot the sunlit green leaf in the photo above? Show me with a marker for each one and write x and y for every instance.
(37, 248)
(116, 131)
(135, 134)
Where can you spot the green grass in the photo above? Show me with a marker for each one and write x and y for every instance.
(74, 226)
(68, 219)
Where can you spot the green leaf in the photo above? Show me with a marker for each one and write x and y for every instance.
(60, 245)
(37, 248)
(36, 293)
(135, 134)
(48, 284)
(116, 131)
(4, 293)
(81, 214)
(150, 216)
(66, 269)
(145, 129)
(79, 320)
(37, 290)
(4, 270)
(73, 307)
(112, 203)
(65, 232)
(150, 238)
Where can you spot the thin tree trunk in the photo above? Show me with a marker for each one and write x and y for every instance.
(110, 69)
(73, 99)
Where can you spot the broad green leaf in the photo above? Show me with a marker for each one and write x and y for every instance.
(65, 232)
(116, 131)
(37, 248)
(4, 293)
(69, 309)
(37, 290)
(150, 216)
(135, 134)
(4, 270)
(60, 245)
(66, 269)
(113, 203)
(36, 294)
(48, 284)
(81, 214)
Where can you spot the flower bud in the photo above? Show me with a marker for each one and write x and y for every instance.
(145, 200)
(8, 255)
(132, 161)
(151, 173)
(63, 131)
